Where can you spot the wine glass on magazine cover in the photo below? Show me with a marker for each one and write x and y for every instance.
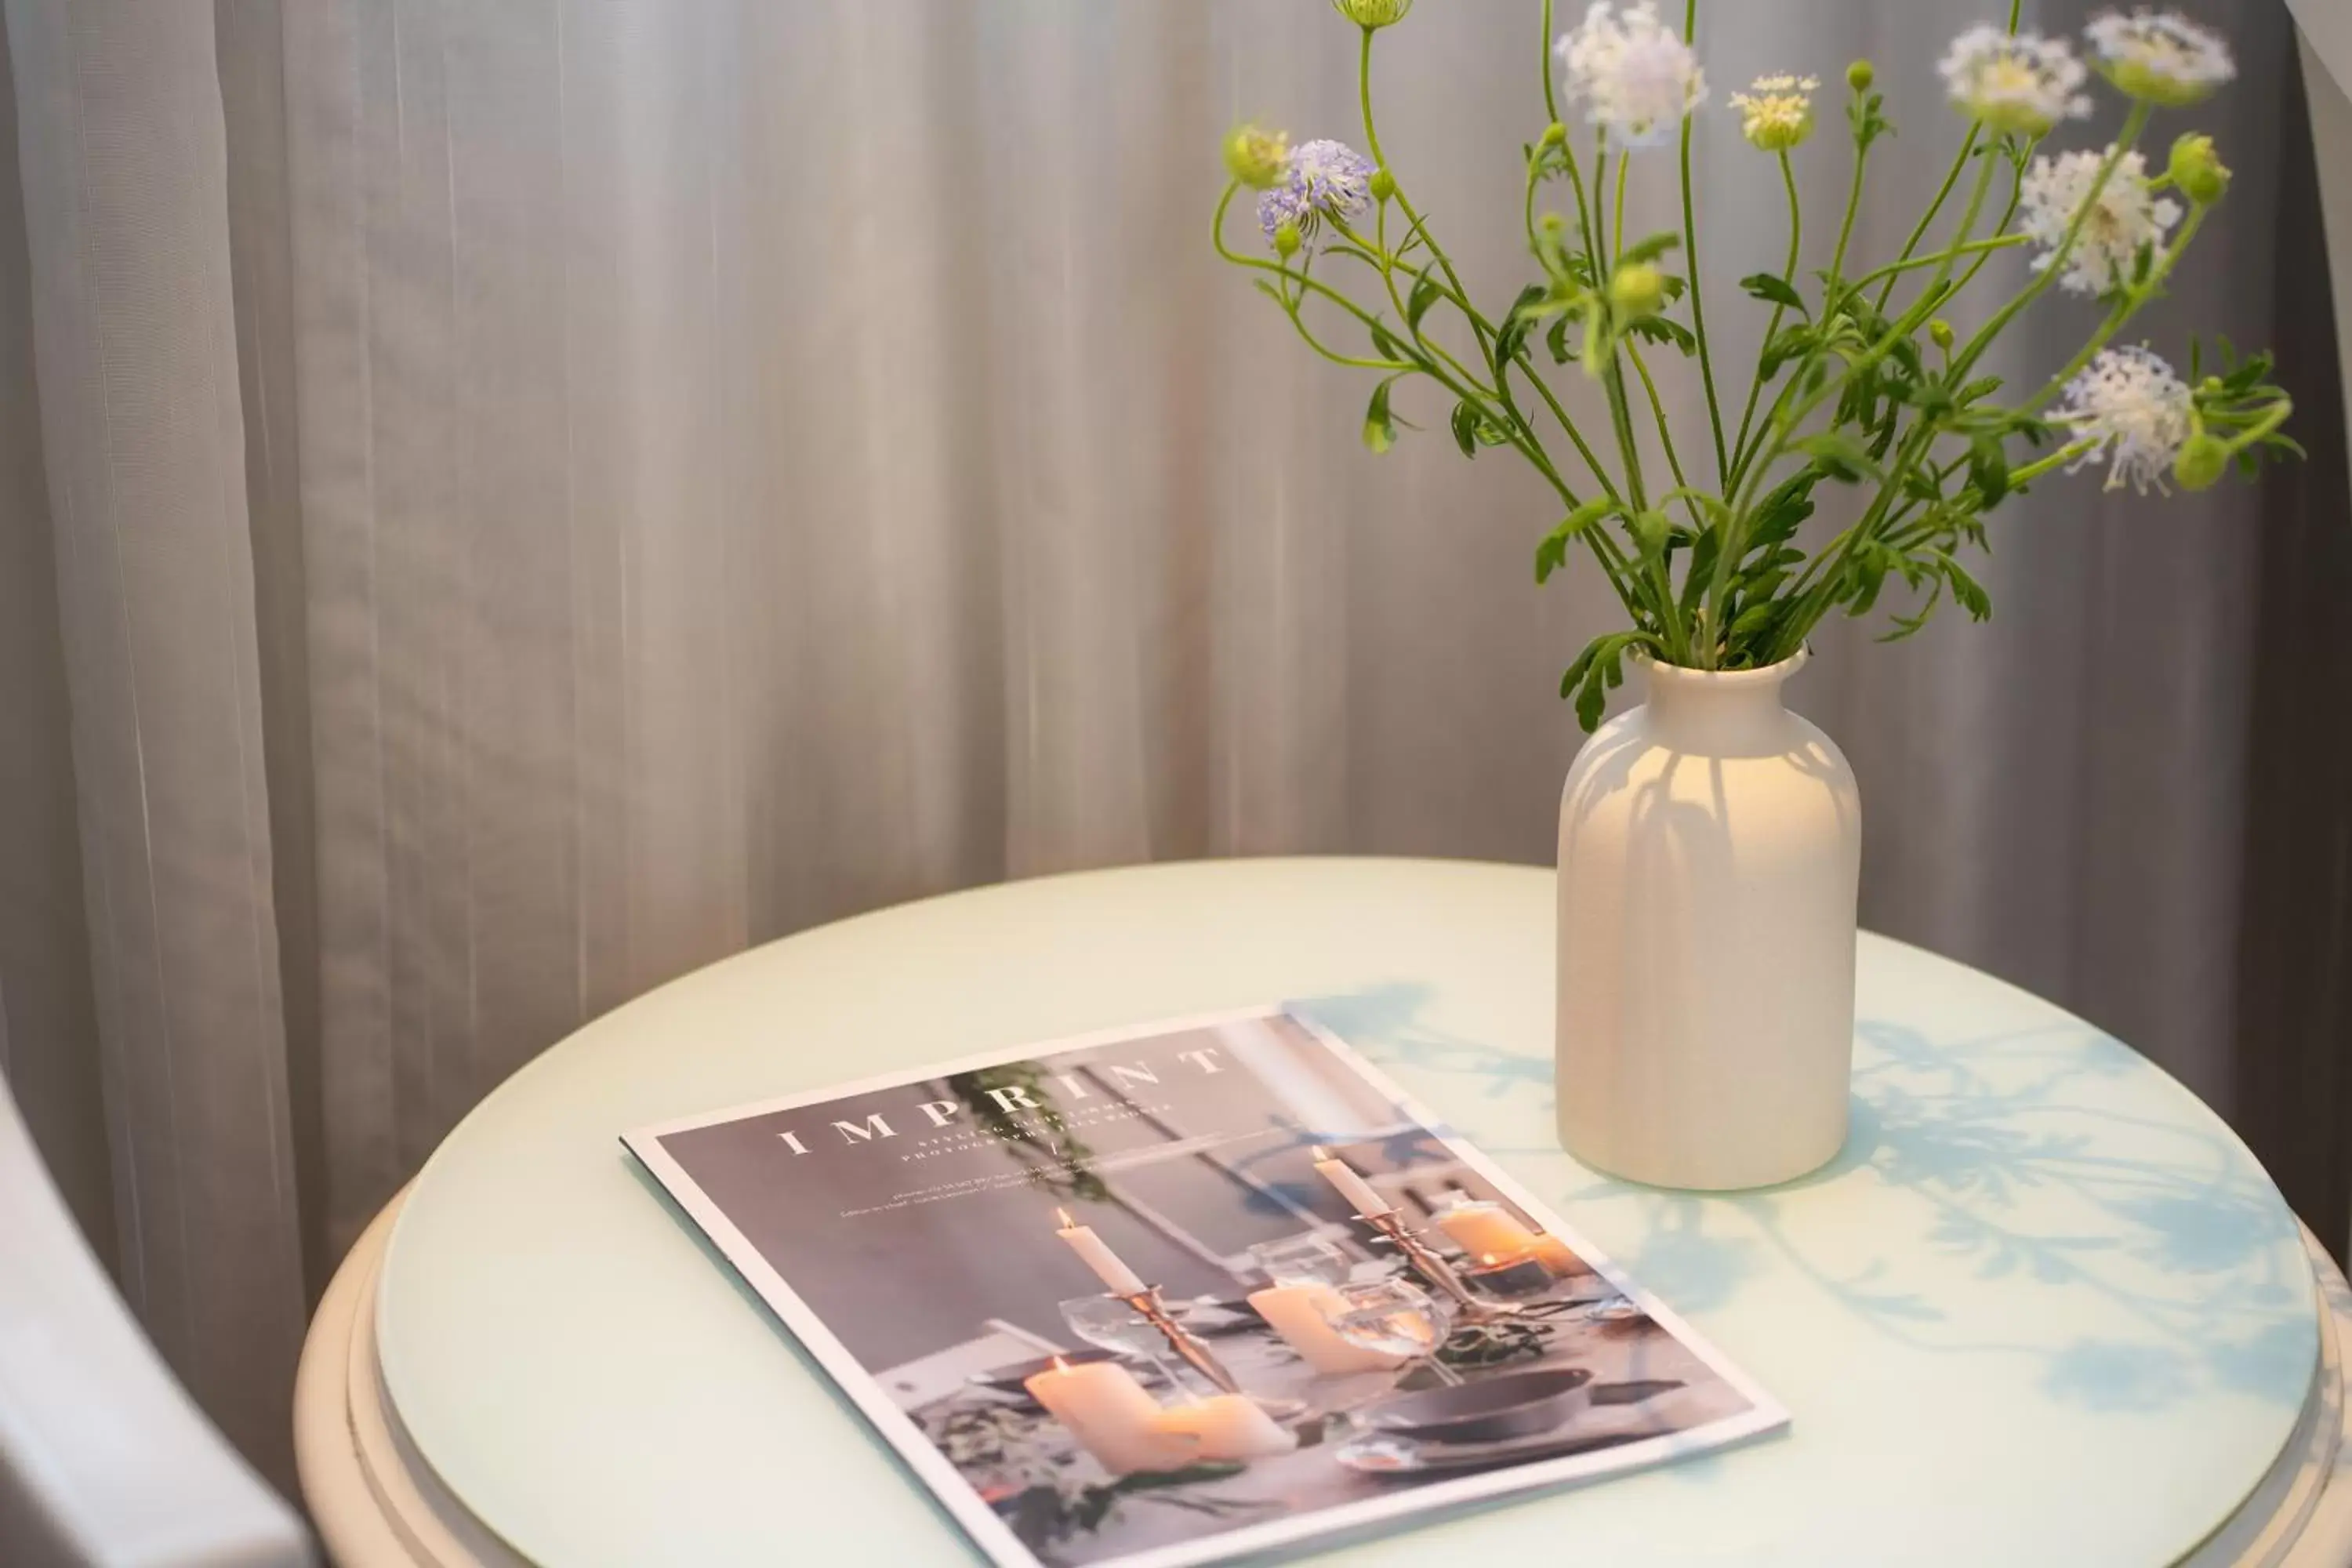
(1308, 1259)
(1398, 1318)
(1108, 1324)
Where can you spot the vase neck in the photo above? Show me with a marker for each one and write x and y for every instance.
(1719, 712)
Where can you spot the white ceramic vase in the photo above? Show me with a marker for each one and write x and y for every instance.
(1710, 845)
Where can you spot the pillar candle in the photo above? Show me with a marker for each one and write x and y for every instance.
(1553, 1254)
(1228, 1426)
(1111, 1415)
(1352, 1187)
(1296, 1312)
(1481, 1228)
(1521, 1276)
(1114, 1274)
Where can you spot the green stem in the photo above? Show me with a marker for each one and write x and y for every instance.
(1998, 242)
(1621, 418)
(1919, 229)
(2134, 124)
(2124, 308)
(1387, 270)
(2248, 435)
(1782, 425)
(1795, 626)
(1690, 253)
(1665, 431)
(2041, 465)
(1591, 460)
(1785, 424)
(1479, 328)
(1788, 275)
(1600, 212)
(1852, 206)
(1951, 178)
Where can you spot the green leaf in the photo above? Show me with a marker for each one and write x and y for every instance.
(1772, 290)
(1516, 325)
(1966, 591)
(1658, 330)
(1701, 572)
(1551, 551)
(1464, 421)
(1838, 455)
(1557, 340)
(1425, 293)
(1573, 676)
(1652, 532)
(1380, 426)
(1989, 468)
(1781, 512)
(1787, 343)
(1649, 248)
(1591, 702)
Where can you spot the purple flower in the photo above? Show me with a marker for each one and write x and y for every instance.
(1323, 179)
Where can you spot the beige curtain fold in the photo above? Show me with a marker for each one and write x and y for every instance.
(542, 495)
(121, 151)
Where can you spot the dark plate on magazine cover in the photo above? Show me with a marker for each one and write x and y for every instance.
(1491, 1410)
(1212, 1319)
(1010, 1379)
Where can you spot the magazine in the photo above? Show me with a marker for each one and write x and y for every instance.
(1171, 1295)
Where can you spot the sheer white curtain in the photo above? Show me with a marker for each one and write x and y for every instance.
(704, 466)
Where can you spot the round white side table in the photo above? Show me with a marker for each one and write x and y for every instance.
(2043, 1309)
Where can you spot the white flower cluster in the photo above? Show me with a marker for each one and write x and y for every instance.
(1776, 112)
(2014, 81)
(1636, 79)
(2027, 83)
(2125, 217)
(2135, 413)
(2163, 57)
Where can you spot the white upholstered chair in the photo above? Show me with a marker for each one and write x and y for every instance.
(104, 1460)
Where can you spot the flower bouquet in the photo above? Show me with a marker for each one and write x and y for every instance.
(1706, 916)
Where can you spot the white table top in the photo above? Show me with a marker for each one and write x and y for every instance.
(2045, 1308)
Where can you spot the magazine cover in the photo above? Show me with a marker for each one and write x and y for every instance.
(1171, 1295)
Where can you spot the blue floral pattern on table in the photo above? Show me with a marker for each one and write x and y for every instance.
(2044, 1162)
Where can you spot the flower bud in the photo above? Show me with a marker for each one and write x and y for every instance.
(1285, 241)
(1383, 184)
(1552, 224)
(1554, 134)
(2203, 459)
(1256, 157)
(1637, 291)
(1940, 332)
(1860, 75)
(2197, 170)
(1369, 14)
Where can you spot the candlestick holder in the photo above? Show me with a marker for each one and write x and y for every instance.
(1182, 1340)
(1476, 1308)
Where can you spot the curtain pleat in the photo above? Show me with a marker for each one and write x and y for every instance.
(135, 339)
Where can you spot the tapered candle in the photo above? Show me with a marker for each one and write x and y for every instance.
(1228, 1426)
(1479, 1228)
(1111, 1415)
(1108, 1267)
(1352, 1187)
(1298, 1313)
